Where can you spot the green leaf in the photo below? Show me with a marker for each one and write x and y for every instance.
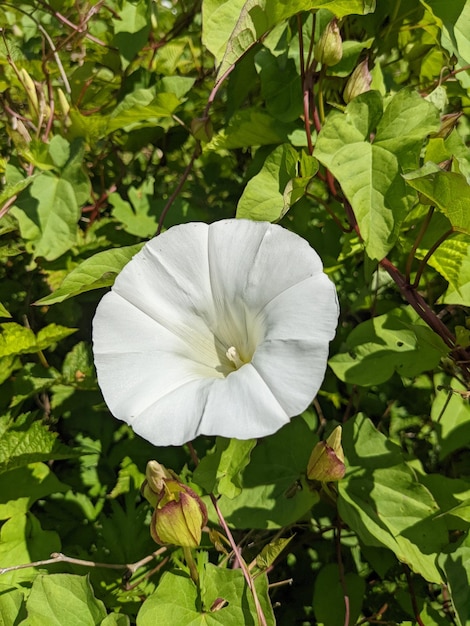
(448, 191)
(450, 413)
(12, 606)
(24, 485)
(221, 470)
(263, 197)
(370, 173)
(142, 108)
(456, 567)
(49, 216)
(386, 344)
(59, 599)
(16, 339)
(176, 600)
(455, 18)
(100, 270)
(22, 540)
(274, 493)
(27, 440)
(250, 127)
(242, 29)
(328, 596)
(59, 150)
(3, 311)
(14, 189)
(139, 217)
(387, 506)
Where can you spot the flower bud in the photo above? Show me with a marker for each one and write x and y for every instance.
(154, 483)
(201, 128)
(179, 516)
(359, 82)
(329, 48)
(326, 462)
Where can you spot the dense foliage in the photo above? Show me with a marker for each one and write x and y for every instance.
(120, 118)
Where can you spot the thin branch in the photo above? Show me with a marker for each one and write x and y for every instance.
(179, 186)
(428, 255)
(59, 557)
(419, 237)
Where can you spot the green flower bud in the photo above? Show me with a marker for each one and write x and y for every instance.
(329, 48)
(179, 516)
(201, 128)
(359, 82)
(326, 462)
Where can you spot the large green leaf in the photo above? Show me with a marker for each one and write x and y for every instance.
(49, 216)
(22, 540)
(24, 485)
(100, 270)
(239, 29)
(59, 599)
(273, 493)
(383, 502)
(386, 344)
(177, 600)
(370, 172)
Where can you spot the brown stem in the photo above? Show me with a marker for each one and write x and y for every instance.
(419, 237)
(428, 255)
(414, 603)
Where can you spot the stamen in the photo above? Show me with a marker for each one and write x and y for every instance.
(233, 356)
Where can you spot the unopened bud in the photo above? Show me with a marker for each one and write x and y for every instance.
(179, 516)
(154, 483)
(326, 462)
(359, 82)
(201, 128)
(329, 48)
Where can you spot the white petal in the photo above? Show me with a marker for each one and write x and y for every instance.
(242, 406)
(255, 261)
(169, 281)
(300, 322)
(306, 311)
(120, 327)
(174, 418)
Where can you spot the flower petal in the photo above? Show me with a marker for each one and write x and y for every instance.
(242, 406)
(255, 261)
(169, 281)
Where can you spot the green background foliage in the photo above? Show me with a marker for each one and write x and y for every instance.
(122, 118)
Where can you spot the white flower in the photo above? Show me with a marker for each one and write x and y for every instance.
(215, 330)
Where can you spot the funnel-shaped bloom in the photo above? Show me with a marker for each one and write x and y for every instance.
(215, 330)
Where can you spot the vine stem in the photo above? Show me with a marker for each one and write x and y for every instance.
(249, 580)
(236, 551)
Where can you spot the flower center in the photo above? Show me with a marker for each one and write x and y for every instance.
(233, 356)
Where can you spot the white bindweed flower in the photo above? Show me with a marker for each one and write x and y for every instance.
(215, 330)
